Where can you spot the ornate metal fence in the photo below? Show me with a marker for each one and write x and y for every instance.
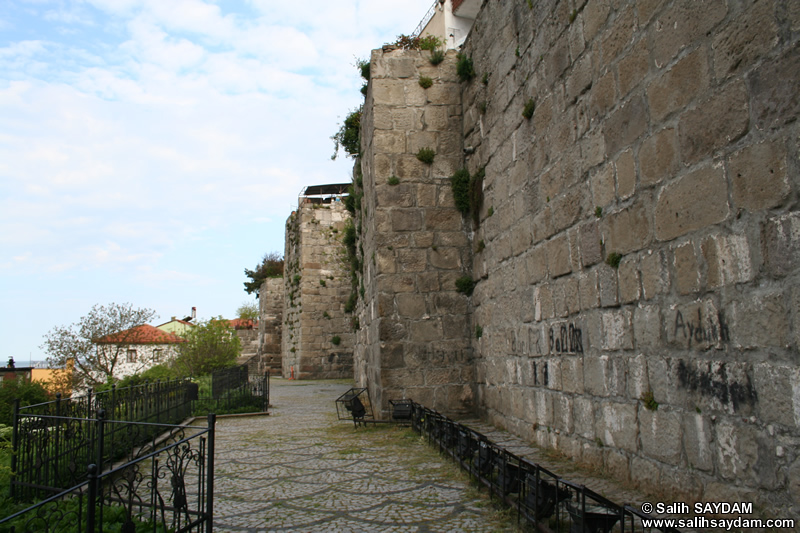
(539, 496)
(233, 390)
(53, 441)
(168, 486)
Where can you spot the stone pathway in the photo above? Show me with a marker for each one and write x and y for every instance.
(300, 469)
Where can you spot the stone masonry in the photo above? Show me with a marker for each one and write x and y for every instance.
(317, 336)
(637, 256)
(413, 340)
(270, 303)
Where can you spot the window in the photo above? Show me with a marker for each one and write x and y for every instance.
(132, 355)
(157, 354)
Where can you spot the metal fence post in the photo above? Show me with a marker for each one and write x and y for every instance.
(91, 508)
(14, 447)
(212, 421)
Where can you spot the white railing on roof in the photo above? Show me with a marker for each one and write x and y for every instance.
(427, 18)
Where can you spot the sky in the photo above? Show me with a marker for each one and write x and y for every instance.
(151, 150)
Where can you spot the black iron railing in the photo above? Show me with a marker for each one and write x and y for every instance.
(54, 441)
(167, 487)
(539, 496)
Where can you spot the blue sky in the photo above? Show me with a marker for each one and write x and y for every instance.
(150, 150)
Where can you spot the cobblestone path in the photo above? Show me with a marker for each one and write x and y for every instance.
(300, 469)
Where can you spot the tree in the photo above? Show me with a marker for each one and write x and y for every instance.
(74, 345)
(271, 266)
(209, 346)
(248, 311)
(28, 392)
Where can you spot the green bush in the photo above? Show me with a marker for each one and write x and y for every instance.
(349, 135)
(465, 285)
(426, 155)
(613, 259)
(460, 184)
(464, 68)
(28, 392)
(437, 56)
(393, 180)
(530, 107)
(431, 42)
(425, 82)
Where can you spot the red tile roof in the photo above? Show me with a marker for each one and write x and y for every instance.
(241, 323)
(144, 334)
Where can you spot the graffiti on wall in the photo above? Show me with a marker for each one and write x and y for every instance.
(567, 338)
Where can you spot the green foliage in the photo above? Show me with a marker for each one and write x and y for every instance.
(478, 332)
(350, 305)
(393, 180)
(573, 16)
(530, 107)
(28, 392)
(349, 135)
(483, 106)
(460, 184)
(336, 340)
(516, 52)
(248, 311)
(464, 68)
(490, 212)
(426, 155)
(271, 266)
(437, 56)
(407, 42)
(481, 246)
(649, 401)
(598, 211)
(296, 279)
(613, 259)
(425, 82)
(323, 283)
(209, 346)
(363, 66)
(430, 42)
(162, 372)
(74, 344)
(326, 315)
(486, 78)
(468, 192)
(465, 285)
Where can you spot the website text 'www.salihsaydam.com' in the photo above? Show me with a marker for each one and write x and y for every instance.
(718, 510)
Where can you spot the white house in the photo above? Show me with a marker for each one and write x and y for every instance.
(135, 350)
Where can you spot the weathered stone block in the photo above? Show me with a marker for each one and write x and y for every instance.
(391, 142)
(778, 389)
(411, 260)
(743, 453)
(626, 175)
(781, 238)
(406, 219)
(655, 276)
(410, 305)
(594, 17)
(425, 330)
(618, 35)
(633, 67)
(625, 125)
(660, 433)
(687, 275)
(608, 286)
(699, 325)
(628, 278)
(774, 91)
(758, 176)
(542, 303)
(588, 287)
(628, 230)
(583, 411)
(617, 330)
(617, 425)
(572, 375)
(745, 40)
(658, 157)
(591, 251)
(602, 96)
(636, 381)
(558, 258)
(714, 123)
(647, 327)
(679, 85)
(727, 260)
(697, 200)
(761, 320)
(387, 92)
(602, 184)
(401, 195)
(682, 24)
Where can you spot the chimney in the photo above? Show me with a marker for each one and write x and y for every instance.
(194, 313)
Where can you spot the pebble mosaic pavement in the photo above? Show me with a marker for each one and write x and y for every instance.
(300, 469)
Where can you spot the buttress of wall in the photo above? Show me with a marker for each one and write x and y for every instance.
(317, 336)
(414, 337)
(270, 306)
(639, 293)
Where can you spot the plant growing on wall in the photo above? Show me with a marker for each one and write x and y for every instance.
(425, 82)
(349, 135)
(530, 107)
(426, 155)
(464, 68)
(613, 259)
(271, 266)
(465, 285)
(468, 192)
(437, 56)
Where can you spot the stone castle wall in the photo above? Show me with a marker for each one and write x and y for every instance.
(317, 338)
(639, 272)
(413, 340)
(270, 325)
